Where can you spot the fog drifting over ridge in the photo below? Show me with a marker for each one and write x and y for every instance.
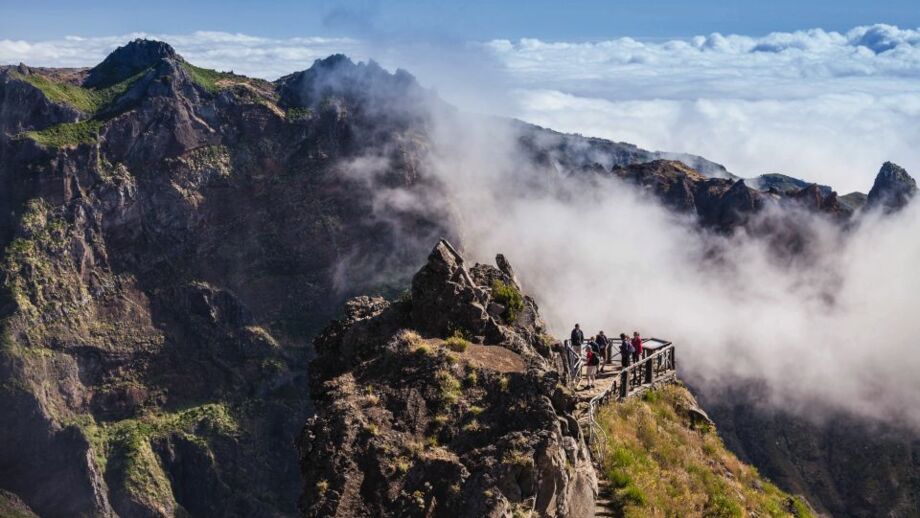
(825, 106)
(831, 332)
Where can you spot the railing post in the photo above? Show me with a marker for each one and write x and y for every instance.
(648, 371)
(624, 383)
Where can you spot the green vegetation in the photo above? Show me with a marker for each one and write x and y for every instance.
(10, 508)
(449, 387)
(659, 466)
(509, 296)
(126, 442)
(88, 100)
(298, 113)
(92, 101)
(27, 273)
(205, 77)
(67, 134)
(457, 343)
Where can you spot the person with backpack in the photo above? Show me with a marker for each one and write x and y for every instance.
(592, 360)
(637, 346)
(626, 350)
(603, 346)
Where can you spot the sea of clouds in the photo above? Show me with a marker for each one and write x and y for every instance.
(825, 106)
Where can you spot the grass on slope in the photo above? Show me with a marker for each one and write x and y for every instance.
(67, 134)
(660, 467)
(88, 100)
(211, 80)
(123, 449)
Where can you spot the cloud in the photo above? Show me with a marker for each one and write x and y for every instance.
(824, 106)
(268, 58)
(828, 331)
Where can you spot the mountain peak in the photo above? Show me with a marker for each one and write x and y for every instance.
(893, 188)
(339, 76)
(127, 61)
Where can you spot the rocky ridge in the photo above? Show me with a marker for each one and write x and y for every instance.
(413, 419)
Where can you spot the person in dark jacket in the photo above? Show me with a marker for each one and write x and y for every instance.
(578, 337)
(603, 345)
(637, 346)
(626, 350)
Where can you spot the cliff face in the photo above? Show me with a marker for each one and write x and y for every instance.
(413, 419)
(173, 237)
(846, 467)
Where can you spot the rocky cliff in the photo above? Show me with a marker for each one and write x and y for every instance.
(447, 402)
(172, 239)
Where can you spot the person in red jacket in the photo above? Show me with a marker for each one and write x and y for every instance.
(637, 346)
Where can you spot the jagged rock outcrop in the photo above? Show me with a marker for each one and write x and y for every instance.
(892, 190)
(411, 424)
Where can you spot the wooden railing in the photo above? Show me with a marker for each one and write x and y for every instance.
(658, 365)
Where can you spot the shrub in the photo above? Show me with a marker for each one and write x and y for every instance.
(509, 296)
(457, 344)
(299, 113)
(449, 386)
(472, 426)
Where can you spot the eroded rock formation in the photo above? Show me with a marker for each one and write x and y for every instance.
(413, 420)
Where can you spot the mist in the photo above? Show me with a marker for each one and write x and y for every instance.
(830, 331)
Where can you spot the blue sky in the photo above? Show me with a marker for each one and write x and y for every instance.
(463, 20)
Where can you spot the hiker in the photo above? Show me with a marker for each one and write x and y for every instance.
(592, 359)
(603, 345)
(637, 346)
(578, 338)
(626, 350)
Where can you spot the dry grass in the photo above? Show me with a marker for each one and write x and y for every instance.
(661, 467)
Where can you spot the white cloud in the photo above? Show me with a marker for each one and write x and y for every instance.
(268, 58)
(825, 106)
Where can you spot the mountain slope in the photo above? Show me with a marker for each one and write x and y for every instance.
(664, 458)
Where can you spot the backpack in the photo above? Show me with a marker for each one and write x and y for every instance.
(592, 357)
(628, 347)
